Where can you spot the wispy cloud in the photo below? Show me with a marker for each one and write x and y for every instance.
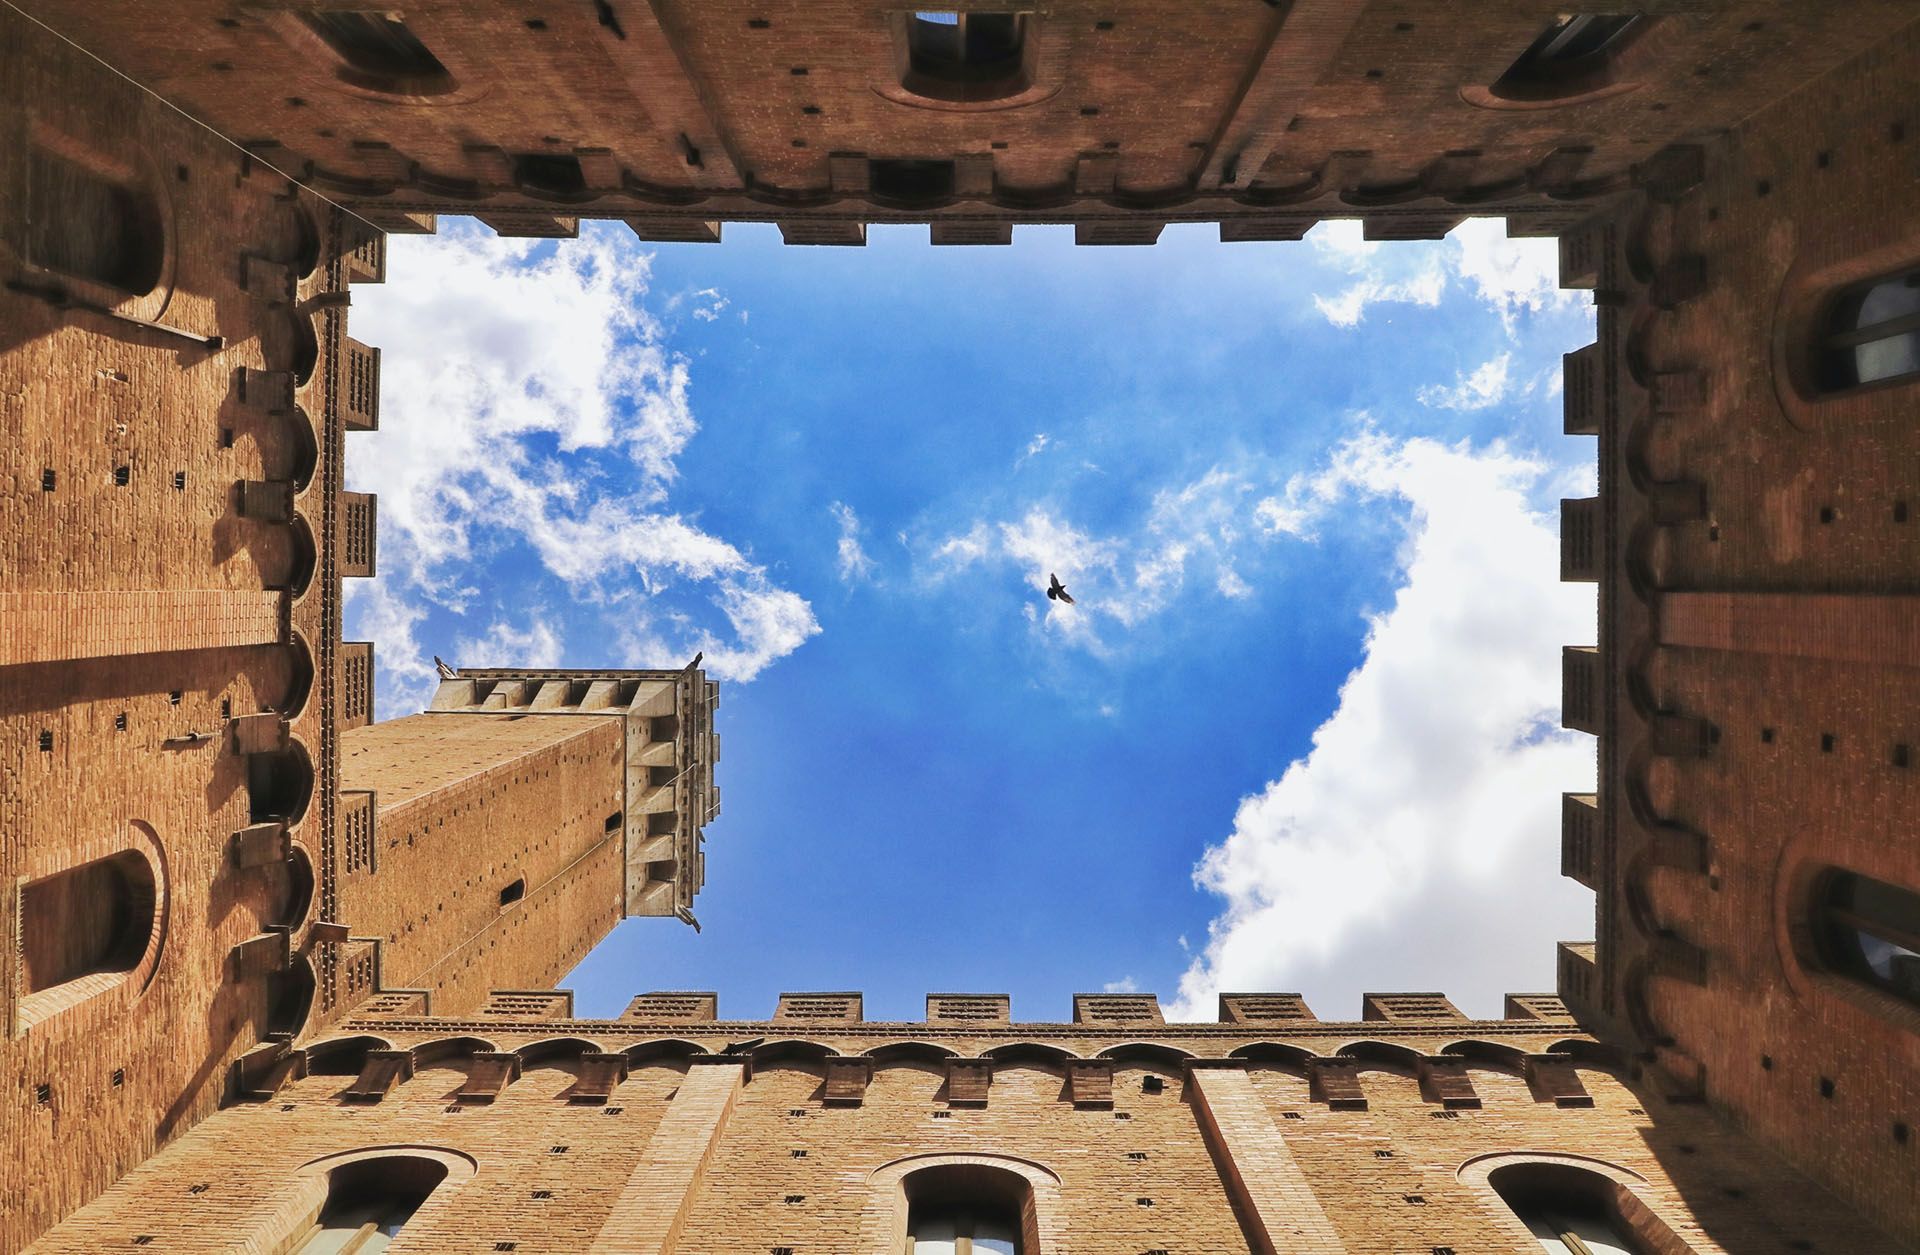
(504, 645)
(529, 398)
(1400, 276)
(1428, 789)
(1034, 448)
(1484, 386)
(1188, 538)
(381, 615)
(710, 304)
(854, 563)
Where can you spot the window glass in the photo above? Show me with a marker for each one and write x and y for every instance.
(936, 1235)
(966, 55)
(1870, 931)
(1574, 55)
(961, 1230)
(1873, 333)
(1577, 35)
(1568, 1210)
(1557, 1232)
(1889, 298)
(1887, 359)
(992, 1238)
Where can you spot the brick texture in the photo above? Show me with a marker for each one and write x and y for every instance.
(1757, 647)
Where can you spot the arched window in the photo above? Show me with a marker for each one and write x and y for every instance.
(91, 227)
(1873, 332)
(966, 56)
(82, 930)
(377, 52)
(1570, 1210)
(1571, 57)
(966, 1209)
(368, 1202)
(1869, 932)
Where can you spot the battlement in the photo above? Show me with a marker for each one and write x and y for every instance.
(844, 1010)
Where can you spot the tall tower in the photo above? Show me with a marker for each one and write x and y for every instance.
(492, 840)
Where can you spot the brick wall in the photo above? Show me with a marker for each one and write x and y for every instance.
(153, 629)
(1757, 631)
(742, 1154)
(468, 806)
(681, 113)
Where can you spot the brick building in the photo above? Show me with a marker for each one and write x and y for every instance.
(283, 975)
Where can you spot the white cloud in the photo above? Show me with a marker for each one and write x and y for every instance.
(1034, 447)
(528, 396)
(1510, 275)
(711, 305)
(504, 645)
(1125, 985)
(855, 564)
(1405, 276)
(956, 552)
(1484, 386)
(1431, 796)
(380, 615)
(768, 624)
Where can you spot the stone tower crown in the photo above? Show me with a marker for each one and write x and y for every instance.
(671, 749)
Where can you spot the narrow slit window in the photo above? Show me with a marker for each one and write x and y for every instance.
(1873, 333)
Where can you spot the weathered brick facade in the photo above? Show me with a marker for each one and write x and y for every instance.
(1755, 684)
(260, 938)
(711, 1137)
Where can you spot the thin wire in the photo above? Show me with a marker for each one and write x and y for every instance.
(148, 91)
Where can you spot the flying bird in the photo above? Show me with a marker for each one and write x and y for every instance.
(1057, 591)
(440, 664)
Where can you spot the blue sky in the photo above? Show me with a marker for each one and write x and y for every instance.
(1298, 733)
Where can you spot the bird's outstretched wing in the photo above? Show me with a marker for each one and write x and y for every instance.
(1066, 597)
(1056, 590)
